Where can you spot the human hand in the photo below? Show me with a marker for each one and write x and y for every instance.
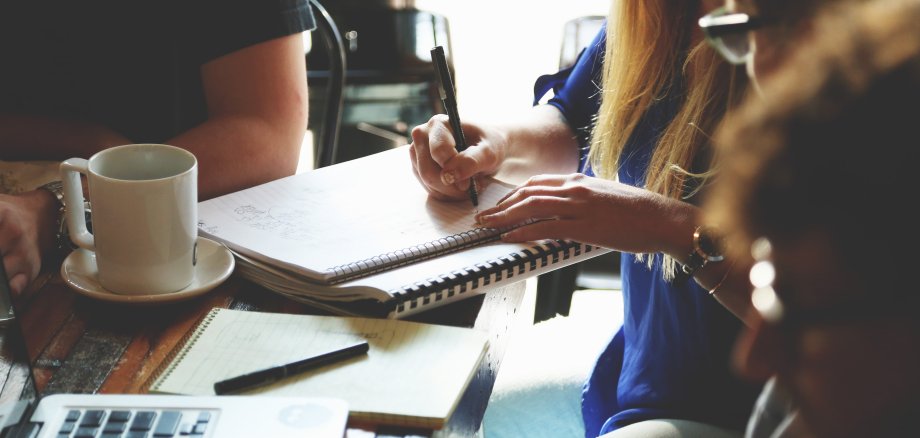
(26, 228)
(444, 172)
(591, 210)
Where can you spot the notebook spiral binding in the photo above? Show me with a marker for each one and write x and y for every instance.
(165, 368)
(482, 274)
(405, 256)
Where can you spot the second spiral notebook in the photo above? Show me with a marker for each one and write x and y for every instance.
(364, 238)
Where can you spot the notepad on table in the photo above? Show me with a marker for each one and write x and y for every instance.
(413, 374)
(364, 238)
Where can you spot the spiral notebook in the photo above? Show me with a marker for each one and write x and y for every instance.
(34, 413)
(364, 238)
(413, 374)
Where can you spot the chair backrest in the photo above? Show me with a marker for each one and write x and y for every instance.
(328, 137)
(577, 34)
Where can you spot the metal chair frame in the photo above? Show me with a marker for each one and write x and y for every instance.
(335, 98)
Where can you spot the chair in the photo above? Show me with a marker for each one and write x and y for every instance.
(388, 77)
(577, 34)
(331, 124)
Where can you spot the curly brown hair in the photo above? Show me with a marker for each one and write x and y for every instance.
(833, 144)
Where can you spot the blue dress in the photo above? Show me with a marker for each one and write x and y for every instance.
(670, 359)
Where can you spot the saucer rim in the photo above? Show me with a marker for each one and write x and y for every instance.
(185, 293)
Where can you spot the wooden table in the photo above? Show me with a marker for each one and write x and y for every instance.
(79, 345)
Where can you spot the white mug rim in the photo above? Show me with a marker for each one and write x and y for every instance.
(91, 170)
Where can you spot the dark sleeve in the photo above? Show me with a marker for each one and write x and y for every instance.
(577, 89)
(223, 27)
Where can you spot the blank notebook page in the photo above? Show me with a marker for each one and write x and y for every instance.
(413, 374)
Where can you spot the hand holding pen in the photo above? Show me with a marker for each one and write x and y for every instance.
(449, 99)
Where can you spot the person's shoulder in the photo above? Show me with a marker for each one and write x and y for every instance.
(225, 27)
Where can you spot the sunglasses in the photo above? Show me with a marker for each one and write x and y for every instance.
(727, 32)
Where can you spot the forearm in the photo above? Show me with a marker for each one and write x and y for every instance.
(239, 151)
(257, 105)
(24, 137)
(541, 142)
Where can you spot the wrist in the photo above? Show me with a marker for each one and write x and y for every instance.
(706, 248)
(60, 242)
(42, 206)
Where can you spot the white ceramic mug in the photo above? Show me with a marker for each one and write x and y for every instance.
(144, 201)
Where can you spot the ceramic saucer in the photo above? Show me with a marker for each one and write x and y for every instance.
(215, 264)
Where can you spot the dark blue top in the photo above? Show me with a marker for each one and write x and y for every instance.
(670, 359)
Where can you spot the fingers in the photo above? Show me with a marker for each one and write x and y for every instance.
(533, 183)
(441, 140)
(543, 185)
(19, 251)
(20, 271)
(532, 206)
(438, 166)
(426, 139)
(545, 229)
(18, 283)
(467, 164)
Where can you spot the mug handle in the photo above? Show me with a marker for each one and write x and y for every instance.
(73, 200)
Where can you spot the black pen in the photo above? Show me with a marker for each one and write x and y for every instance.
(449, 99)
(269, 375)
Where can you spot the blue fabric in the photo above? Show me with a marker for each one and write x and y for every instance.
(576, 92)
(671, 357)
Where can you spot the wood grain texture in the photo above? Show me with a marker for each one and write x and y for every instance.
(78, 345)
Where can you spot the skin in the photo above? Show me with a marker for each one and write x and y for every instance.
(257, 105)
(767, 46)
(587, 209)
(539, 142)
(541, 149)
(823, 366)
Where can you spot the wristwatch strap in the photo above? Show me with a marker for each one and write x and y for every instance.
(695, 262)
(706, 248)
(63, 244)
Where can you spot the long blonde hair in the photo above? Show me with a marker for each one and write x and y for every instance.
(651, 55)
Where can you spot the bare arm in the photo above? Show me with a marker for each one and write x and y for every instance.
(257, 104)
(24, 137)
(539, 143)
(617, 216)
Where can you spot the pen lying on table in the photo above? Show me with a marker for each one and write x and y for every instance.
(275, 373)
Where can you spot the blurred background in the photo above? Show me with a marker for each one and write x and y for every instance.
(496, 48)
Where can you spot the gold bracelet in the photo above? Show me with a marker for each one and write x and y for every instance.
(727, 271)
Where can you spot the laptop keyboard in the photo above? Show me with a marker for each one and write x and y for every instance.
(120, 423)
